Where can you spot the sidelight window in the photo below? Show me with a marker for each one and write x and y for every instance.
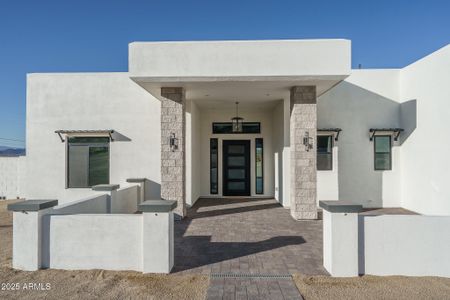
(259, 165)
(214, 166)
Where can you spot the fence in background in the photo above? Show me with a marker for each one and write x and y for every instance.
(12, 172)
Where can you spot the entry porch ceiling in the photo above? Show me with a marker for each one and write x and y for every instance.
(242, 71)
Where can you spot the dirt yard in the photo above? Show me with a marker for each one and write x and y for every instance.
(373, 287)
(59, 284)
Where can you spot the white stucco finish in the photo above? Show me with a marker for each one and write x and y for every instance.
(410, 245)
(90, 101)
(327, 180)
(340, 243)
(425, 161)
(27, 240)
(110, 242)
(158, 242)
(125, 200)
(221, 59)
(366, 99)
(12, 172)
(193, 153)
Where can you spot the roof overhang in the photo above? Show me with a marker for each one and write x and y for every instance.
(257, 65)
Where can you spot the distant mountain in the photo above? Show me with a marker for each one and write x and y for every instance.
(8, 151)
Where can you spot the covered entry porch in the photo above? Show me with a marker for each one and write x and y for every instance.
(191, 77)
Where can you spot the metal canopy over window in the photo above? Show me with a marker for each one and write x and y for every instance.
(93, 133)
(395, 132)
(330, 131)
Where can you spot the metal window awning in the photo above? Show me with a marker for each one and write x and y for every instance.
(334, 131)
(90, 132)
(391, 131)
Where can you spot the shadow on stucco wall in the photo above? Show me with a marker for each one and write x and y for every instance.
(355, 110)
(152, 190)
(408, 119)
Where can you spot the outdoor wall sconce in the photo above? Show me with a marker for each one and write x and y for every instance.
(173, 142)
(307, 141)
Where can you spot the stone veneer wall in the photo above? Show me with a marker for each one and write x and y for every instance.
(303, 161)
(173, 163)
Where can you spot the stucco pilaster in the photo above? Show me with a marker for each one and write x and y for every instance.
(303, 191)
(173, 161)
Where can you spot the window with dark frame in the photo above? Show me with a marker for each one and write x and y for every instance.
(87, 161)
(382, 152)
(259, 166)
(214, 166)
(325, 152)
(227, 128)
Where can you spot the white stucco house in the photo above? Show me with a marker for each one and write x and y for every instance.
(286, 119)
(207, 79)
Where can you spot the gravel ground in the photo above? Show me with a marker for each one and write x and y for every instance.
(88, 284)
(373, 287)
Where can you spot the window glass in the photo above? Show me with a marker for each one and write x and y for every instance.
(382, 157)
(98, 165)
(324, 152)
(227, 127)
(88, 161)
(213, 166)
(382, 144)
(259, 164)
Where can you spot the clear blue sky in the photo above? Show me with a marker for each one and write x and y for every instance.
(78, 35)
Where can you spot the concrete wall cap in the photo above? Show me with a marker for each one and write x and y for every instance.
(105, 187)
(136, 179)
(340, 206)
(157, 206)
(32, 205)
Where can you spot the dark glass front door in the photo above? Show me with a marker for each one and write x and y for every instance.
(236, 168)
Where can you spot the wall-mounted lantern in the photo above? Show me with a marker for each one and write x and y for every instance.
(173, 142)
(237, 121)
(307, 141)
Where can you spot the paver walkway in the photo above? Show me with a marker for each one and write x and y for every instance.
(247, 240)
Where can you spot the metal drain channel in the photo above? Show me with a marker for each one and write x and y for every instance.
(251, 276)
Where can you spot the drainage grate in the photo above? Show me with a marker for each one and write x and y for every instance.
(251, 275)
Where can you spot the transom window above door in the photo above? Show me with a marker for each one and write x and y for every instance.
(227, 128)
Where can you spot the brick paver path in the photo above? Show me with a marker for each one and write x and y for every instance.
(252, 238)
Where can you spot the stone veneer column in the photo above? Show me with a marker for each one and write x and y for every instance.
(173, 163)
(303, 163)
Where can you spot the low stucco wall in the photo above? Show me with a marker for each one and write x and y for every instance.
(125, 200)
(112, 242)
(94, 205)
(411, 245)
(12, 171)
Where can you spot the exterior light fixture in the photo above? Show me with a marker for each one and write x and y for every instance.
(173, 141)
(307, 141)
(237, 121)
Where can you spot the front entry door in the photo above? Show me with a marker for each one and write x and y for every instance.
(236, 168)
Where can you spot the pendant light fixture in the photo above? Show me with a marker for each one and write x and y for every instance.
(237, 121)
